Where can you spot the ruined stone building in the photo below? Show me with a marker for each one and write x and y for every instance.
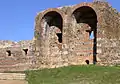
(86, 33)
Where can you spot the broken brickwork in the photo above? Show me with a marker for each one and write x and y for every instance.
(74, 25)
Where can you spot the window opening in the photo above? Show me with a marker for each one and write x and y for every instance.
(9, 52)
(26, 51)
(59, 35)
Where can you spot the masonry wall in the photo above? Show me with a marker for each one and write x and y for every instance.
(76, 46)
(13, 56)
(108, 36)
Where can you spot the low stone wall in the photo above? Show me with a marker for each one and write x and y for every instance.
(13, 56)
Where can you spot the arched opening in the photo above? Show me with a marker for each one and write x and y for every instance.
(53, 19)
(87, 62)
(87, 15)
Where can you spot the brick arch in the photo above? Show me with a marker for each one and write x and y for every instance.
(58, 22)
(41, 16)
(86, 13)
(81, 5)
(53, 10)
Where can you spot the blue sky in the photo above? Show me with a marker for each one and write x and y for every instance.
(17, 16)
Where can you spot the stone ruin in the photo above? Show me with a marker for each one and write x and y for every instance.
(86, 33)
(16, 56)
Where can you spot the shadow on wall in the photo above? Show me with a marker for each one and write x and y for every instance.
(87, 15)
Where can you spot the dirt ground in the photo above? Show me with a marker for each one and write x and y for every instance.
(13, 82)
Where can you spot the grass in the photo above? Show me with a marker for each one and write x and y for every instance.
(75, 75)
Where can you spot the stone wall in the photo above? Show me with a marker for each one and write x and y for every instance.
(78, 21)
(14, 58)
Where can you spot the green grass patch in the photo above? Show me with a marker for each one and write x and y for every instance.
(75, 75)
